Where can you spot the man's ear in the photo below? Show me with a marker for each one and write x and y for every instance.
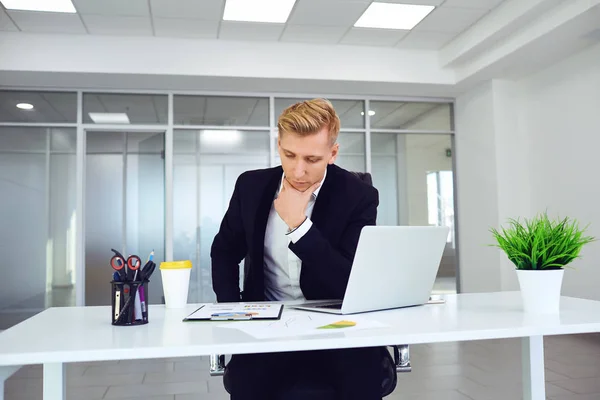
(334, 153)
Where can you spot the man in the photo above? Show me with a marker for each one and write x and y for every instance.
(297, 227)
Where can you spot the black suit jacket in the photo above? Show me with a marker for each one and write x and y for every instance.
(343, 207)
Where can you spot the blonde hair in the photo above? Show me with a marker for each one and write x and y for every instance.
(309, 117)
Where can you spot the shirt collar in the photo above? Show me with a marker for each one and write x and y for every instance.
(315, 193)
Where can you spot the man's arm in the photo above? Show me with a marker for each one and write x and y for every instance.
(228, 250)
(326, 269)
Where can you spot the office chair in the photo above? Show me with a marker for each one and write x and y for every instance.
(321, 390)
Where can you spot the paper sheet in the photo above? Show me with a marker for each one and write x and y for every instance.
(305, 323)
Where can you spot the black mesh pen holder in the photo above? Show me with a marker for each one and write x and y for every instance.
(129, 303)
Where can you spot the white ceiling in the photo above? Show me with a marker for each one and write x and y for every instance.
(311, 21)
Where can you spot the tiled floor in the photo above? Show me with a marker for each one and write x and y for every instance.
(483, 370)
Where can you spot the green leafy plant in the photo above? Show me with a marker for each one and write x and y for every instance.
(541, 243)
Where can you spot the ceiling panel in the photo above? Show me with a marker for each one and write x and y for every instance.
(483, 4)
(118, 25)
(31, 21)
(373, 37)
(327, 13)
(134, 8)
(450, 19)
(313, 34)
(186, 28)
(198, 9)
(5, 23)
(250, 31)
(425, 40)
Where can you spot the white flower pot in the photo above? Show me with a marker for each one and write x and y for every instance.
(540, 290)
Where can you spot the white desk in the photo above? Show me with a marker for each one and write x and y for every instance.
(62, 335)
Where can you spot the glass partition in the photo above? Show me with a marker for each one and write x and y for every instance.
(221, 111)
(124, 198)
(410, 116)
(38, 214)
(351, 112)
(206, 165)
(38, 107)
(215, 139)
(414, 176)
(124, 109)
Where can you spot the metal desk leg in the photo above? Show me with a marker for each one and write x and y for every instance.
(54, 381)
(5, 373)
(534, 382)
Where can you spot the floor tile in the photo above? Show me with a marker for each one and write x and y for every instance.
(128, 368)
(154, 389)
(176, 376)
(580, 386)
(86, 393)
(572, 396)
(105, 380)
(436, 395)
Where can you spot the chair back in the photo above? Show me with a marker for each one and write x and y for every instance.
(365, 177)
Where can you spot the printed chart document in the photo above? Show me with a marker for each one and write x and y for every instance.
(236, 312)
(295, 323)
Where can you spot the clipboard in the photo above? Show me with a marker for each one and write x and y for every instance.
(236, 312)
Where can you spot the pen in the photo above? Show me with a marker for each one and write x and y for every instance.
(143, 303)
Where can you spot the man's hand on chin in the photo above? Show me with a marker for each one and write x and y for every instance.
(291, 204)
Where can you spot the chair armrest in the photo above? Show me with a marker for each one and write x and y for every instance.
(217, 365)
(402, 358)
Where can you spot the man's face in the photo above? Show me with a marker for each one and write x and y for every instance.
(305, 158)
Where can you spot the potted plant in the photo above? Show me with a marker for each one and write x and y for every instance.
(540, 249)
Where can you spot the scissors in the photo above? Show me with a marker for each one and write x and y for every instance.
(125, 267)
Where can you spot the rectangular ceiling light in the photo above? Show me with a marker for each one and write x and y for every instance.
(109, 118)
(60, 6)
(274, 11)
(393, 16)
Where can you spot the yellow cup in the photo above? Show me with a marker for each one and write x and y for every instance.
(186, 264)
(176, 282)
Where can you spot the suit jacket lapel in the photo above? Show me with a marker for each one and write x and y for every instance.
(322, 204)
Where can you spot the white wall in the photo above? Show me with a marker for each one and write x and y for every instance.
(477, 195)
(522, 148)
(562, 114)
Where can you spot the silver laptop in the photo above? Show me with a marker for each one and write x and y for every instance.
(394, 266)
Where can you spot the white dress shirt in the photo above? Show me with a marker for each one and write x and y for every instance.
(282, 266)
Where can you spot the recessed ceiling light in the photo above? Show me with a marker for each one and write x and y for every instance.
(274, 11)
(61, 6)
(371, 113)
(109, 118)
(25, 106)
(393, 16)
